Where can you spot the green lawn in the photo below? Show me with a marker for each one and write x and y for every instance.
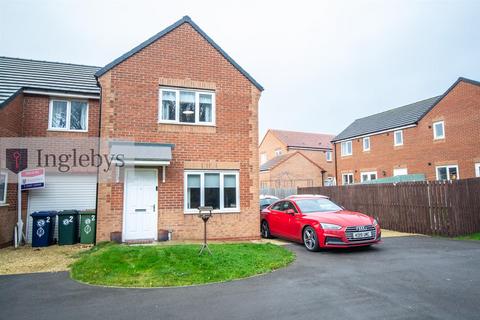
(177, 265)
(473, 236)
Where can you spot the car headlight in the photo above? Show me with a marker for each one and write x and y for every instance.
(375, 222)
(330, 226)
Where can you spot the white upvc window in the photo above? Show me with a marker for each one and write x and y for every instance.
(400, 172)
(438, 130)
(3, 187)
(68, 115)
(366, 144)
(184, 106)
(398, 138)
(347, 178)
(477, 170)
(448, 172)
(263, 158)
(368, 176)
(328, 155)
(278, 152)
(218, 189)
(346, 148)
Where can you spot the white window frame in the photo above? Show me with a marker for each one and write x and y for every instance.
(397, 169)
(435, 136)
(346, 153)
(69, 110)
(363, 143)
(328, 156)
(263, 158)
(177, 106)
(4, 173)
(278, 152)
(368, 173)
(448, 175)
(348, 174)
(395, 142)
(202, 173)
(477, 170)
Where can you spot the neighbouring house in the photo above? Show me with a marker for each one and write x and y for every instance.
(290, 159)
(179, 108)
(436, 137)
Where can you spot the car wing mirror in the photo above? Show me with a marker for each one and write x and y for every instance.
(290, 211)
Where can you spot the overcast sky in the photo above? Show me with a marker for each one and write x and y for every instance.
(323, 63)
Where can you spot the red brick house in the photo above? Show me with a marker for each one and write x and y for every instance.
(295, 159)
(436, 137)
(184, 114)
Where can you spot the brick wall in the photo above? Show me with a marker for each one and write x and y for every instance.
(130, 94)
(460, 110)
(11, 118)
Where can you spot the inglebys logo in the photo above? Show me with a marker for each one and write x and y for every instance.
(16, 160)
(64, 162)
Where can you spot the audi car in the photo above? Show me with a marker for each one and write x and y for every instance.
(318, 222)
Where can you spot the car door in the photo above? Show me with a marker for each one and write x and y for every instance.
(289, 219)
(275, 218)
(295, 223)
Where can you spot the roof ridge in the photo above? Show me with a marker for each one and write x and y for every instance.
(162, 33)
(54, 62)
(406, 105)
(307, 132)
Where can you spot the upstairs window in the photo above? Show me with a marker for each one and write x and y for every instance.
(366, 144)
(328, 155)
(398, 138)
(68, 115)
(3, 187)
(346, 148)
(187, 107)
(439, 130)
(278, 152)
(263, 158)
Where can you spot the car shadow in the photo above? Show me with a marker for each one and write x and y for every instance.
(339, 251)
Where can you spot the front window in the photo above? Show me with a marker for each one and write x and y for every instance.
(218, 189)
(347, 178)
(68, 115)
(3, 187)
(328, 155)
(398, 138)
(368, 176)
(447, 172)
(187, 107)
(366, 144)
(438, 130)
(346, 148)
(317, 205)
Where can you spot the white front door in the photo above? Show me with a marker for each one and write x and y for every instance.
(140, 207)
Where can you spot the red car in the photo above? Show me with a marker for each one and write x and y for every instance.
(317, 222)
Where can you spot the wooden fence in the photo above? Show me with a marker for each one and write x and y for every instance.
(449, 208)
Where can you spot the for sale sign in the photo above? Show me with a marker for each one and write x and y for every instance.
(32, 179)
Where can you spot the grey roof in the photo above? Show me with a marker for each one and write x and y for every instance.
(185, 19)
(272, 163)
(19, 74)
(394, 118)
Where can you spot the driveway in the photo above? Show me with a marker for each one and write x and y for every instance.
(403, 278)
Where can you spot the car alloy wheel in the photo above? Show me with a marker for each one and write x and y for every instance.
(310, 239)
(265, 230)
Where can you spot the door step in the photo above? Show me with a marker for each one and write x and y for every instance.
(140, 241)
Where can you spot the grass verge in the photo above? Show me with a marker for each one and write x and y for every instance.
(177, 265)
(473, 236)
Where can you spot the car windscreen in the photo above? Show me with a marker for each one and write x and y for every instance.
(317, 205)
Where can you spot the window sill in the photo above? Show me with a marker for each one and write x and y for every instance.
(213, 212)
(188, 124)
(63, 130)
(4, 205)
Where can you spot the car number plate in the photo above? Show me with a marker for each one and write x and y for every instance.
(364, 234)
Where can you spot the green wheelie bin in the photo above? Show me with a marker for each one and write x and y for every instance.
(67, 227)
(88, 222)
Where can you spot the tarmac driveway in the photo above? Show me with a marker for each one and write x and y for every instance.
(403, 278)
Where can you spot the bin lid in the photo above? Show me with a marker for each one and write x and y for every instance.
(43, 214)
(68, 212)
(88, 212)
